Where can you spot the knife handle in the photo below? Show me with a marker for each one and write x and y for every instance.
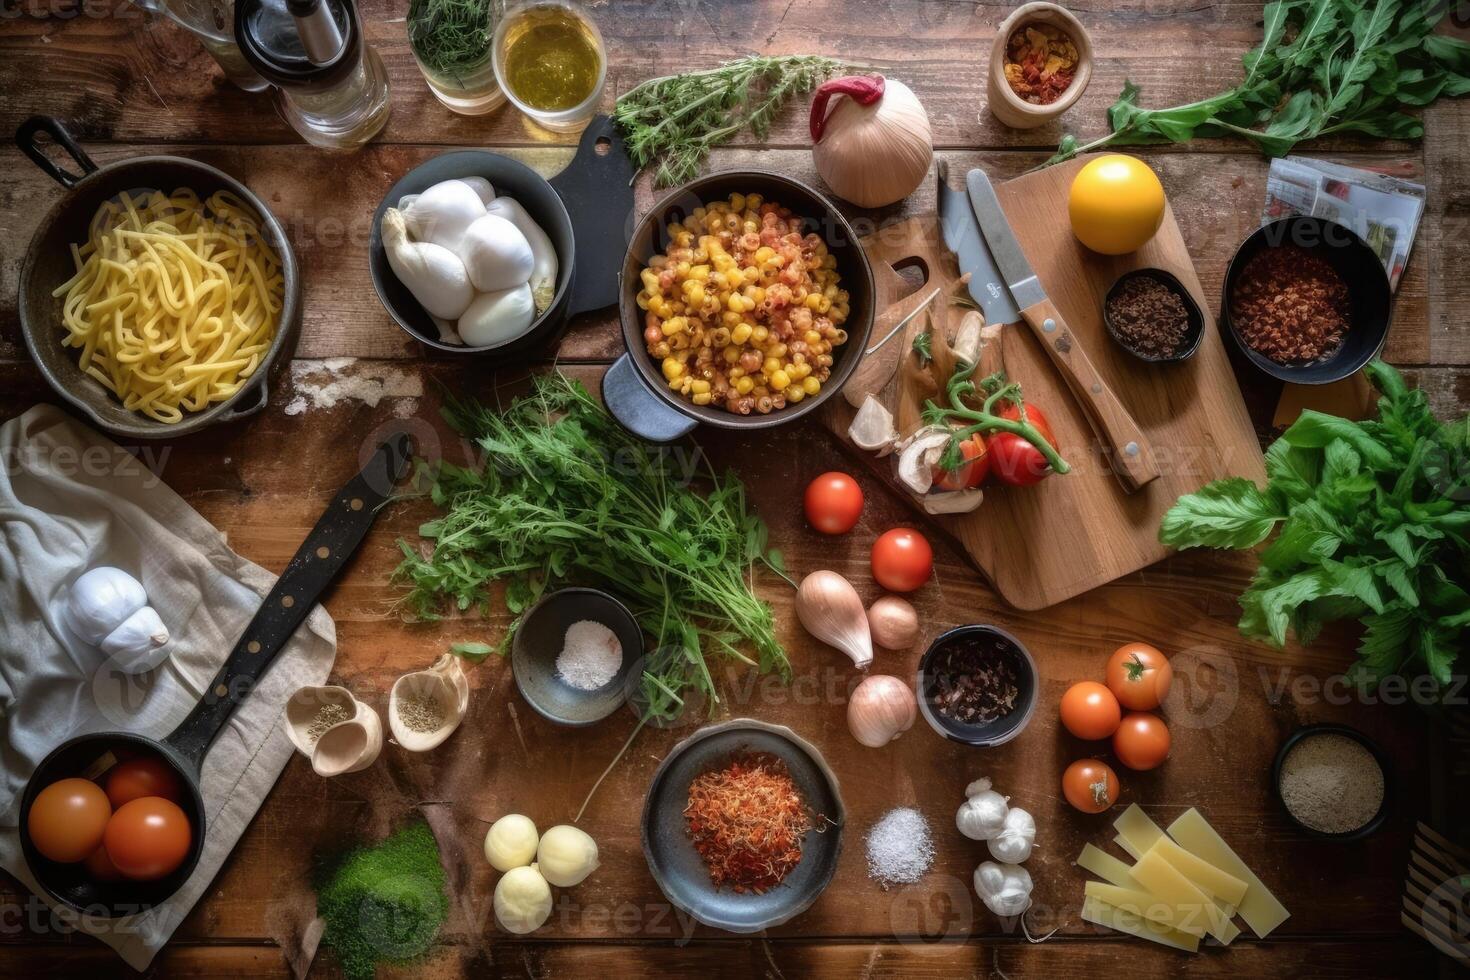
(1132, 456)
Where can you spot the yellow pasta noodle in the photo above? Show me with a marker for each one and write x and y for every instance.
(175, 301)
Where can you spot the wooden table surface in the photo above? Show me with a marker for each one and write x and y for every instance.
(132, 85)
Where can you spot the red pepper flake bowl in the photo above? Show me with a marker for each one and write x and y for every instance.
(1369, 297)
(1003, 101)
(1008, 670)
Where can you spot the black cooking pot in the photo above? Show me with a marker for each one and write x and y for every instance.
(48, 264)
(326, 549)
(634, 388)
(585, 211)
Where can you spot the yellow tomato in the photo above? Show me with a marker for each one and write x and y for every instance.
(1116, 204)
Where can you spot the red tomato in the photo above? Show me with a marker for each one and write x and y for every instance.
(1090, 785)
(148, 838)
(100, 866)
(1140, 676)
(67, 819)
(1141, 741)
(971, 472)
(834, 502)
(902, 560)
(143, 776)
(1090, 711)
(1015, 461)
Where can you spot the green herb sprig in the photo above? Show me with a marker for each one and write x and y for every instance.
(680, 118)
(1322, 67)
(1372, 521)
(966, 421)
(567, 496)
(452, 37)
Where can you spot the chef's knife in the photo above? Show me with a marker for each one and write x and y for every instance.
(962, 235)
(1132, 457)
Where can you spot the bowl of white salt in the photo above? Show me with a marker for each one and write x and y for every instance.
(572, 655)
(1333, 781)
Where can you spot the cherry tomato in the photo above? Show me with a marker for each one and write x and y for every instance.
(971, 472)
(1014, 461)
(100, 866)
(1141, 741)
(1090, 711)
(1140, 676)
(143, 776)
(834, 502)
(902, 560)
(1090, 785)
(148, 838)
(67, 819)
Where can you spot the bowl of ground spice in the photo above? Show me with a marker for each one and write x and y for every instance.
(742, 825)
(1333, 782)
(1150, 314)
(977, 685)
(574, 654)
(1306, 300)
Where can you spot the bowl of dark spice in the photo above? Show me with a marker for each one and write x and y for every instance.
(573, 654)
(1150, 314)
(1306, 300)
(978, 685)
(1333, 782)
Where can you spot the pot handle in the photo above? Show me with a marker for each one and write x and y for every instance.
(254, 401)
(25, 138)
(321, 556)
(639, 410)
(597, 189)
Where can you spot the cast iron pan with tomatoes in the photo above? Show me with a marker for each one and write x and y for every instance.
(326, 550)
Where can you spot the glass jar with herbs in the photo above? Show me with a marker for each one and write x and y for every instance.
(451, 41)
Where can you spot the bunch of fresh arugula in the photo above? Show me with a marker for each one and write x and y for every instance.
(1372, 521)
(566, 495)
(1322, 67)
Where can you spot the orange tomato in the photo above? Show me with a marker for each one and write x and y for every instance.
(1090, 785)
(1139, 676)
(143, 776)
(1090, 711)
(67, 819)
(148, 838)
(1141, 741)
(100, 866)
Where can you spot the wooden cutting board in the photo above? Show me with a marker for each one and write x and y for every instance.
(1040, 545)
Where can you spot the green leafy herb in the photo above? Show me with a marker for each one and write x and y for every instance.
(680, 118)
(924, 347)
(1372, 521)
(1322, 67)
(565, 495)
(451, 37)
(473, 652)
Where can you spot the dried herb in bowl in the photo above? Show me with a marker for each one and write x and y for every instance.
(1148, 317)
(976, 679)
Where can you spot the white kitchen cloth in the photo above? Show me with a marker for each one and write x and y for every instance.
(71, 500)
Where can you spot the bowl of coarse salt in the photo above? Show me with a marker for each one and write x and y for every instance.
(1333, 781)
(573, 653)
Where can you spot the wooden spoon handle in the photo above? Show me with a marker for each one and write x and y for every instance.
(1132, 457)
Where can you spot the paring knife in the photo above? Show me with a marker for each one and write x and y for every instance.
(962, 235)
(1132, 457)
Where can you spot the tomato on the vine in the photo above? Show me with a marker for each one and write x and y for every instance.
(1015, 461)
(973, 469)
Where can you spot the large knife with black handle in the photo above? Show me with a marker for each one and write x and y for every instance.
(1132, 458)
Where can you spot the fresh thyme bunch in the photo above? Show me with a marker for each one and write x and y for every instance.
(451, 36)
(680, 118)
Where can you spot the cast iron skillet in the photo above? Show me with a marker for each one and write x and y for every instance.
(48, 264)
(326, 549)
(585, 210)
(634, 389)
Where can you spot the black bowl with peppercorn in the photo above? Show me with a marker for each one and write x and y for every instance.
(977, 685)
(1306, 300)
(1150, 314)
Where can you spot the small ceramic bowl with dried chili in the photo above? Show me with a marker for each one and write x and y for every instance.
(977, 685)
(1150, 314)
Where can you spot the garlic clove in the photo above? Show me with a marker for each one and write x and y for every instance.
(566, 855)
(495, 254)
(954, 501)
(442, 689)
(880, 710)
(544, 264)
(968, 339)
(482, 188)
(433, 274)
(100, 600)
(872, 428)
(918, 457)
(1004, 888)
(493, 318)
(441, 214)
(139, 642)
(830, 609)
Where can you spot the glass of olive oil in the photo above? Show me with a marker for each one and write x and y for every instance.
(551, 63)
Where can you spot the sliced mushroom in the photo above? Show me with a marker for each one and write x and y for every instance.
(918, 457)
(872, 428)
(953, 502)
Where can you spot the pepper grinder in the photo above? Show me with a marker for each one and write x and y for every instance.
(331, 84)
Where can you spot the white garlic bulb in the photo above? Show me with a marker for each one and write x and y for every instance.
(511, 842)
(1004, 888)
(983, 814)
(1017, 835)
(874, 147)
(108, 608)
(566, 855)
(522, 901)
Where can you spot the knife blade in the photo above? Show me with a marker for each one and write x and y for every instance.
(962, 236)
(1131, 456)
